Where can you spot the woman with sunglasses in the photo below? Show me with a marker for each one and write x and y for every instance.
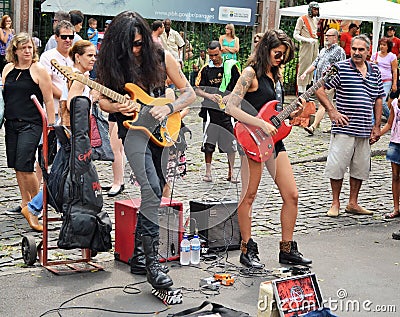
(129, 55)
(257, 38)
(258, 85)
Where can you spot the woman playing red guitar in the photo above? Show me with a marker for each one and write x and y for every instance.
(257, 85)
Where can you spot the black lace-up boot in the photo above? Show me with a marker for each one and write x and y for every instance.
(249, 256)
(155, 276)
(138, 260)
(289, 254)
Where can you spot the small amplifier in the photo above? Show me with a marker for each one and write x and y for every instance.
(170, 218)
(217, 222)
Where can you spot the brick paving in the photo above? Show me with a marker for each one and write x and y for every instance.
(307, 154)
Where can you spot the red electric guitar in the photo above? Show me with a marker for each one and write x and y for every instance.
(255, 142)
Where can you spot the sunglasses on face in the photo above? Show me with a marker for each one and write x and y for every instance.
(137, 43)
(67, 36)
(278, 55)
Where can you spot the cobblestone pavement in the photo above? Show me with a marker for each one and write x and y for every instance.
(308, 155)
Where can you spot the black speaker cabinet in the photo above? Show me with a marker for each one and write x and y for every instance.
(217, 222)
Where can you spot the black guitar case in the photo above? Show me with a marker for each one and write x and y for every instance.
(84, 225)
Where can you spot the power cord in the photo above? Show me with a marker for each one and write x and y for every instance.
(129, 289)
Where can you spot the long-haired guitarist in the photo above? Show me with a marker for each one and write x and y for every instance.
(257, 85)
(129, 55)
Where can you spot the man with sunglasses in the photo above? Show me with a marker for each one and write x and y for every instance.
(329, 55)
(214, 86)
(64, 36)
(359, 94)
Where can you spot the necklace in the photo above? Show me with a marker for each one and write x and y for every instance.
(21, 69)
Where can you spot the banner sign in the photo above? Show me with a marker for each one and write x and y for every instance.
(238, 12)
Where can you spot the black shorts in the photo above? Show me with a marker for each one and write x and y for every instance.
(112, 118)
(221, 134)
(22, 140)
(278, 147)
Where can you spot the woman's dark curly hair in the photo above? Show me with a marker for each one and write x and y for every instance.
(116, 63)
(260, 60)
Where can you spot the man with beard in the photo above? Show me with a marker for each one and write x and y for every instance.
(330, 54)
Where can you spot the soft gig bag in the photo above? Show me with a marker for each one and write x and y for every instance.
(84, 224)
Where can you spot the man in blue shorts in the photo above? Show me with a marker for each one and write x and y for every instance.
(355, 122)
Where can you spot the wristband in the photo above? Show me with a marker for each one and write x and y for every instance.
(171, 108)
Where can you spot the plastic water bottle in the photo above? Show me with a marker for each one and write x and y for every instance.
(185, 251)
(195, 250)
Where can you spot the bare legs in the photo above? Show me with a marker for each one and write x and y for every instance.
(281, 171)
(118, 164)
(28, 185)
(395, 186)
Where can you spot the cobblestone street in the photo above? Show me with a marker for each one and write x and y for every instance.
(308, 155)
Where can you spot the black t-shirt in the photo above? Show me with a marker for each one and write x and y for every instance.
(209, 79)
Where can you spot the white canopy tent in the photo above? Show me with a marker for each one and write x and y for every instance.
(376, 11)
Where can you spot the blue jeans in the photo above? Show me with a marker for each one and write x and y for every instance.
(35, 206)
(148, 163)
(387, 85)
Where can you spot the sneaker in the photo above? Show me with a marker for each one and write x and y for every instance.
(249, 256)
(293, 256)
(14, 211)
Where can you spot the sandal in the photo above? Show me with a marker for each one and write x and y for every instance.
(207, 178)
(310, 130)
(233, 181)
(392, 215)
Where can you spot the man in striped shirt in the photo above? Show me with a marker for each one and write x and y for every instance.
(355, 122)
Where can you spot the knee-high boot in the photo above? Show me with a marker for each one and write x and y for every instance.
(138, 260)
(155, 276)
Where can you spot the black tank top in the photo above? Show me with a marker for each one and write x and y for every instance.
(18, 88)
(266, 92)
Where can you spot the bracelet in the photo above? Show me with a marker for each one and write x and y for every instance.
(171, 108)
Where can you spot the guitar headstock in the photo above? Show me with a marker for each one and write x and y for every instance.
(65, 70)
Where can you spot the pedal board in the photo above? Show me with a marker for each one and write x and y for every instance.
(170, 296)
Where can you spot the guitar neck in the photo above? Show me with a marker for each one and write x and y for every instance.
(104, 90)
(285, 113)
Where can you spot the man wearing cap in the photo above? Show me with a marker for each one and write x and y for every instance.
(391, 31)
(345, 38)
(306, 33)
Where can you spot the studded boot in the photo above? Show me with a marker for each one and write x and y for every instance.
(138, 261)
(289, 254)
(155, 276)
(249, 256)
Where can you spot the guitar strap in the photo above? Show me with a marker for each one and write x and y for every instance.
(308, 26)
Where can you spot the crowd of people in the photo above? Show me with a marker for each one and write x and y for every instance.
(152, 57)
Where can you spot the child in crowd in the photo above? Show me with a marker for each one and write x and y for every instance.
(393, 155)
(92, 33)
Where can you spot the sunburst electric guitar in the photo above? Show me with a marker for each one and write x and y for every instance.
(163, 133)
(255, 142)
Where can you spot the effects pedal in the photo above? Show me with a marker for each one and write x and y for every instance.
(224, 278)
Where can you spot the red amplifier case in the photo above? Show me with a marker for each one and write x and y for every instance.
(170, 216)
